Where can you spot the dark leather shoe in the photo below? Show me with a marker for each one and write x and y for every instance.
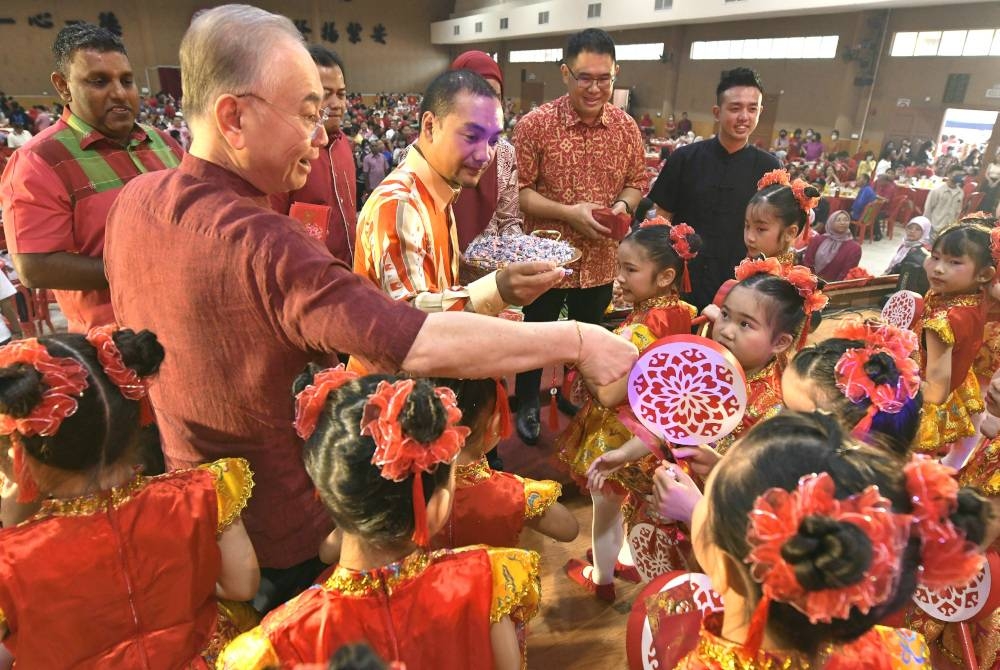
(528, 425)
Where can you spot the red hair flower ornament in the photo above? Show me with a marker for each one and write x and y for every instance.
(310, 401)
(679, 241)
(399, 455)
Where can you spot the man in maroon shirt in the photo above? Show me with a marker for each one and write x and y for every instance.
(331, 181)
(242, 298)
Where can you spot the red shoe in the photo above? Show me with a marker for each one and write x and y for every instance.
(626, 573)
(574, 570)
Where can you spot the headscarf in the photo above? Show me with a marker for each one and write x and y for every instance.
(904, 248)
(475, 206)
(830, 244)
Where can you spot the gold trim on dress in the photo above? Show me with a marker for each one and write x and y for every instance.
(233, 486)
(539, 496)
(93, 503)
(516, 584)
(731, 656)
(360, 583)
(471, 474)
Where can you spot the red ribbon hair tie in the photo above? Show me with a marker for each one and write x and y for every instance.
(679, 241)
(63, 379)
(110, 356)
(310, 401)
(947, 558)
(775, 519)
(398, 455)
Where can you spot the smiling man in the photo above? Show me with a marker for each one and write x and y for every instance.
(709, 183)
(407, 236)
(57, 189)
(331, 183)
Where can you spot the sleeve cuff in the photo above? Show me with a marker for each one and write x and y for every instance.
(484, 295)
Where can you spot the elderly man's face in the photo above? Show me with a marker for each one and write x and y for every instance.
(280, 121)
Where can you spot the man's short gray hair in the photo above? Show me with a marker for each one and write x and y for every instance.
(226, 50)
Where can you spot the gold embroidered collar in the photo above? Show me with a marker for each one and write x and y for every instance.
(472, 473)
(936, 302)
(93, 502)
(727, 655)
(360, 583)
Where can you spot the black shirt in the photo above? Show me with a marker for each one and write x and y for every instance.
(708, 188)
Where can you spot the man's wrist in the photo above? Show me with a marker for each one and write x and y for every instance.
(628, 207)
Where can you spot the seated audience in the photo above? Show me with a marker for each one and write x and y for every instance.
(833, 253)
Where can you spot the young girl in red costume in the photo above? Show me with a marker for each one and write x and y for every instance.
(493, 507)
(777, 214)
(117, 570)
(951, 329)
(652, 272)
(812, 539)
(380, 451)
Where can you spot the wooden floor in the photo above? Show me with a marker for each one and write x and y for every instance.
(574, 630)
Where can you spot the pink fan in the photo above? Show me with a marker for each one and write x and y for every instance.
(902, 309)
(687, 390)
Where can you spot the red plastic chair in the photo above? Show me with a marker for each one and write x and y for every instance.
(972, 203)
(869, 215)
(903, 214)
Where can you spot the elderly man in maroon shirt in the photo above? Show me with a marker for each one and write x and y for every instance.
(242, 298)
(331, 183)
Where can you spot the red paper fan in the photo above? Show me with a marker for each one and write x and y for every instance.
(688, 390)
(902, 309)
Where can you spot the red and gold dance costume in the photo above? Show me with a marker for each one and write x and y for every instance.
(125, 578)
(429, 610)
(763, 401)
(491, 507)
(595, 429)
(959, 322)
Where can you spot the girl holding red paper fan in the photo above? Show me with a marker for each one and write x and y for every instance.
(493, 507)
(866, 376)
(652, 273)
(959, 270)
(381, 452)
(812, 539)
(116, 569)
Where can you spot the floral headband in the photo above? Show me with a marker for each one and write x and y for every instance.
(804, 281)
(901, 341)
(946, 558)
(64, 380)
(110, 357)
(398, 455)
(855, 382)
(798, 187)
(310, 401)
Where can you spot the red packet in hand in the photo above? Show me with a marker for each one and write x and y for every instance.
(618, 224)
(316, 218)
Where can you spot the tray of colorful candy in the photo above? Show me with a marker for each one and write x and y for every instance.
(488, 253)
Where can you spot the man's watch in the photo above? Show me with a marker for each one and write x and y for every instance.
(628, 208)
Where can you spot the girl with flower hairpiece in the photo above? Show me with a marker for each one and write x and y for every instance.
(777, 215)
(866, 376)
(116, 567)
(652, 273)
(812, 539)
(381, 451)
(959, 270)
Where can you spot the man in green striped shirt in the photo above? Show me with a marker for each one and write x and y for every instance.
(58, 188)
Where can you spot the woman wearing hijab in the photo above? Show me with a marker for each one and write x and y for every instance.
(908, 262)
(832, 254)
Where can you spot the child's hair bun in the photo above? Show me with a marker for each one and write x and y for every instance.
(972, 516)
(812, 192)
(828, 554)
(20, 390)
(423, 417)
(881, 369)
(141, 351)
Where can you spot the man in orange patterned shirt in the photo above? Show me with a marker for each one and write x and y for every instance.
(576, 154)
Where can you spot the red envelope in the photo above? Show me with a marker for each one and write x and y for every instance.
(316, 218)
(618, 224)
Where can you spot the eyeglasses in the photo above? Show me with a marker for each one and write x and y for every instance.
(586, 81)
(313, 123)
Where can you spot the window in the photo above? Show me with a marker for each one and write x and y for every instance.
(817, 46)
(504, 23)
(536, 56)
(652, 51)
(479, 26)
(594, 10)
(543, 17)
(947, 43)
(663, 4)
(456, 30)
(955, 88)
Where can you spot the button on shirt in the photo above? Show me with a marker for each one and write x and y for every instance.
(568, 161)
(331, 182)
(241, 299)
(709, 188)
(56, 192)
